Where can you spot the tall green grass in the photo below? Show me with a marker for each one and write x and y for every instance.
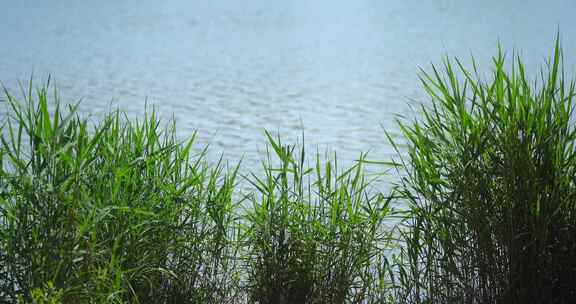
(313, 231)
(490, 183)
(121, 211)
(116, 212)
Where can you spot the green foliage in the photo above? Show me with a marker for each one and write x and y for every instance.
(46, 295)
(120, 211)
(490, 182)
(116, 212)
(313, 231)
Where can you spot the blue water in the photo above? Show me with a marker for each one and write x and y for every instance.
(339, 70)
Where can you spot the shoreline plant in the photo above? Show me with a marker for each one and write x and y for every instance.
(490, 184)
(116, 212)
(313, 232)
(122, 211)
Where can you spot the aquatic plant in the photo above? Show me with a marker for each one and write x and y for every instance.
(122, 211)
(115, 212)
(313, 231)
(490, 184)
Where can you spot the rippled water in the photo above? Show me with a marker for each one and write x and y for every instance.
(339, 70)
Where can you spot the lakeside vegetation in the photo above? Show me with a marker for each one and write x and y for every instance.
(122, 211)
(491, 186)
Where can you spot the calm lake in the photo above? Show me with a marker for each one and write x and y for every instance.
(337, 70)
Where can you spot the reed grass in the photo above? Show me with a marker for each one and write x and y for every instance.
(117, 212)
(313, 231)
(490, 183)
(122, 211)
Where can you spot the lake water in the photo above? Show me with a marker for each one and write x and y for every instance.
(337, 70)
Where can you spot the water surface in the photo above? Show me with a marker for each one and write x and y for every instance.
(339, 70)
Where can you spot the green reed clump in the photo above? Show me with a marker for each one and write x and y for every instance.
(490, 183)
(312, 232)
(114, 212)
